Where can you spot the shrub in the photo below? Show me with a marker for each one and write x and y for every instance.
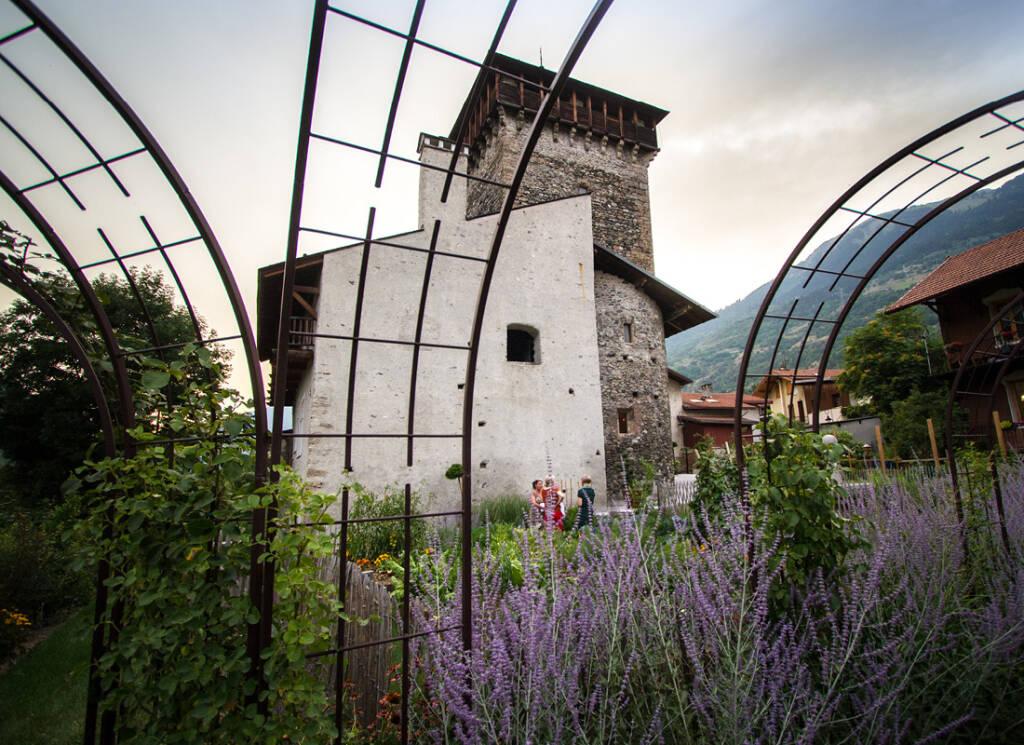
(506, 509)
(36, 573)
(717, 477)
(370, 540)
(640, 483)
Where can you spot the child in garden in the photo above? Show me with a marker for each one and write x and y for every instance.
(585, 501)
(553, 503)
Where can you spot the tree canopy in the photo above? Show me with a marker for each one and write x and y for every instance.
(894, 360)
(888, 358)
(47, 414)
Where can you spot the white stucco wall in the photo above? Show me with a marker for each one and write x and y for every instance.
(525, 414)
(675, 408)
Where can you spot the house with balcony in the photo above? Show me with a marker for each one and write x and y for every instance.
(790, 393)
(966, 292)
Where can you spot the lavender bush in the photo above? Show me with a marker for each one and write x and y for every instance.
(638, 638)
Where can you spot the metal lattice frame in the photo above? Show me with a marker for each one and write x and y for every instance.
(54, 46)
(873, 219)
(115, 421)
(324, 13)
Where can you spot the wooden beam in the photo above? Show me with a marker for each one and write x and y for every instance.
(309, 290)
(997, 421)
(935, 445)
(881, 447)
(302, 301)
(301, 263)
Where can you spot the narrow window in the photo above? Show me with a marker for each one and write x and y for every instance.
(627, 422)
(803, 414)
(521, 345)
(627, 333)
(836, 400)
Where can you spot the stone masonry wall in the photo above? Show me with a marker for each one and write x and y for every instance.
(632, 375)
(566, 163)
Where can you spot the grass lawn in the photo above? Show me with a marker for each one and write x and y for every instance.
(42, 696)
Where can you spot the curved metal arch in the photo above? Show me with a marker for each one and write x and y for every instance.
(922, 222)
(39, 22)
(536, 128)
(840, 205)
(174, 179)
(355, 338)
(19, 284)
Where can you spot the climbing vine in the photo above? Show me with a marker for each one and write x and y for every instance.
(175, 529)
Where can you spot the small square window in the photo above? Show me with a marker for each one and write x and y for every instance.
(627, 333)
(521, 345)
(627, 421)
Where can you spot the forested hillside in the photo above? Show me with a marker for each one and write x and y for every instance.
(710, 353)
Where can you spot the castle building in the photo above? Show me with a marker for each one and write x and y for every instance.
(572, 373)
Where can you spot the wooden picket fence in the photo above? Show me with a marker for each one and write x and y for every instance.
(366, 669)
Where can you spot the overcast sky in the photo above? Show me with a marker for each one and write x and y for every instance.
(776, 107)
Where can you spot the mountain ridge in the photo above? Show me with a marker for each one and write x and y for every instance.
(710, 353)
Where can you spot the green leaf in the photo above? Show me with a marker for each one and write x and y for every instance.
(155, 379)
(233, 426)
(199, 528)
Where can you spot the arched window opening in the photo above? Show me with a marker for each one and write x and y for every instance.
(522, 344)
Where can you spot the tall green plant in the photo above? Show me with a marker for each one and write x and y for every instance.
(176, 534)
(717, 477)
(796, 500)
(641, 483)
(974, 467)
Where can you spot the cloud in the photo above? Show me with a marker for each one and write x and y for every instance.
(783, 124)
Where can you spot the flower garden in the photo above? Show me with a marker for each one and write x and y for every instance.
(812, 612)
(659, 630)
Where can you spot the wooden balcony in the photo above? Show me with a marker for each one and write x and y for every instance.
(301, 333)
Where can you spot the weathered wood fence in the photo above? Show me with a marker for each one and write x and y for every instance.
(367, 669)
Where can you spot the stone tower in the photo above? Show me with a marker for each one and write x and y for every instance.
(600, 143)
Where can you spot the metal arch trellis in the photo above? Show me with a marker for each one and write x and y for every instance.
(881, 223)
(59, 46)
(261, 576)
(322, 13)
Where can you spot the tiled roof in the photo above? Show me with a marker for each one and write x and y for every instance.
(678, 376)
(717, 401)
(973, 264)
